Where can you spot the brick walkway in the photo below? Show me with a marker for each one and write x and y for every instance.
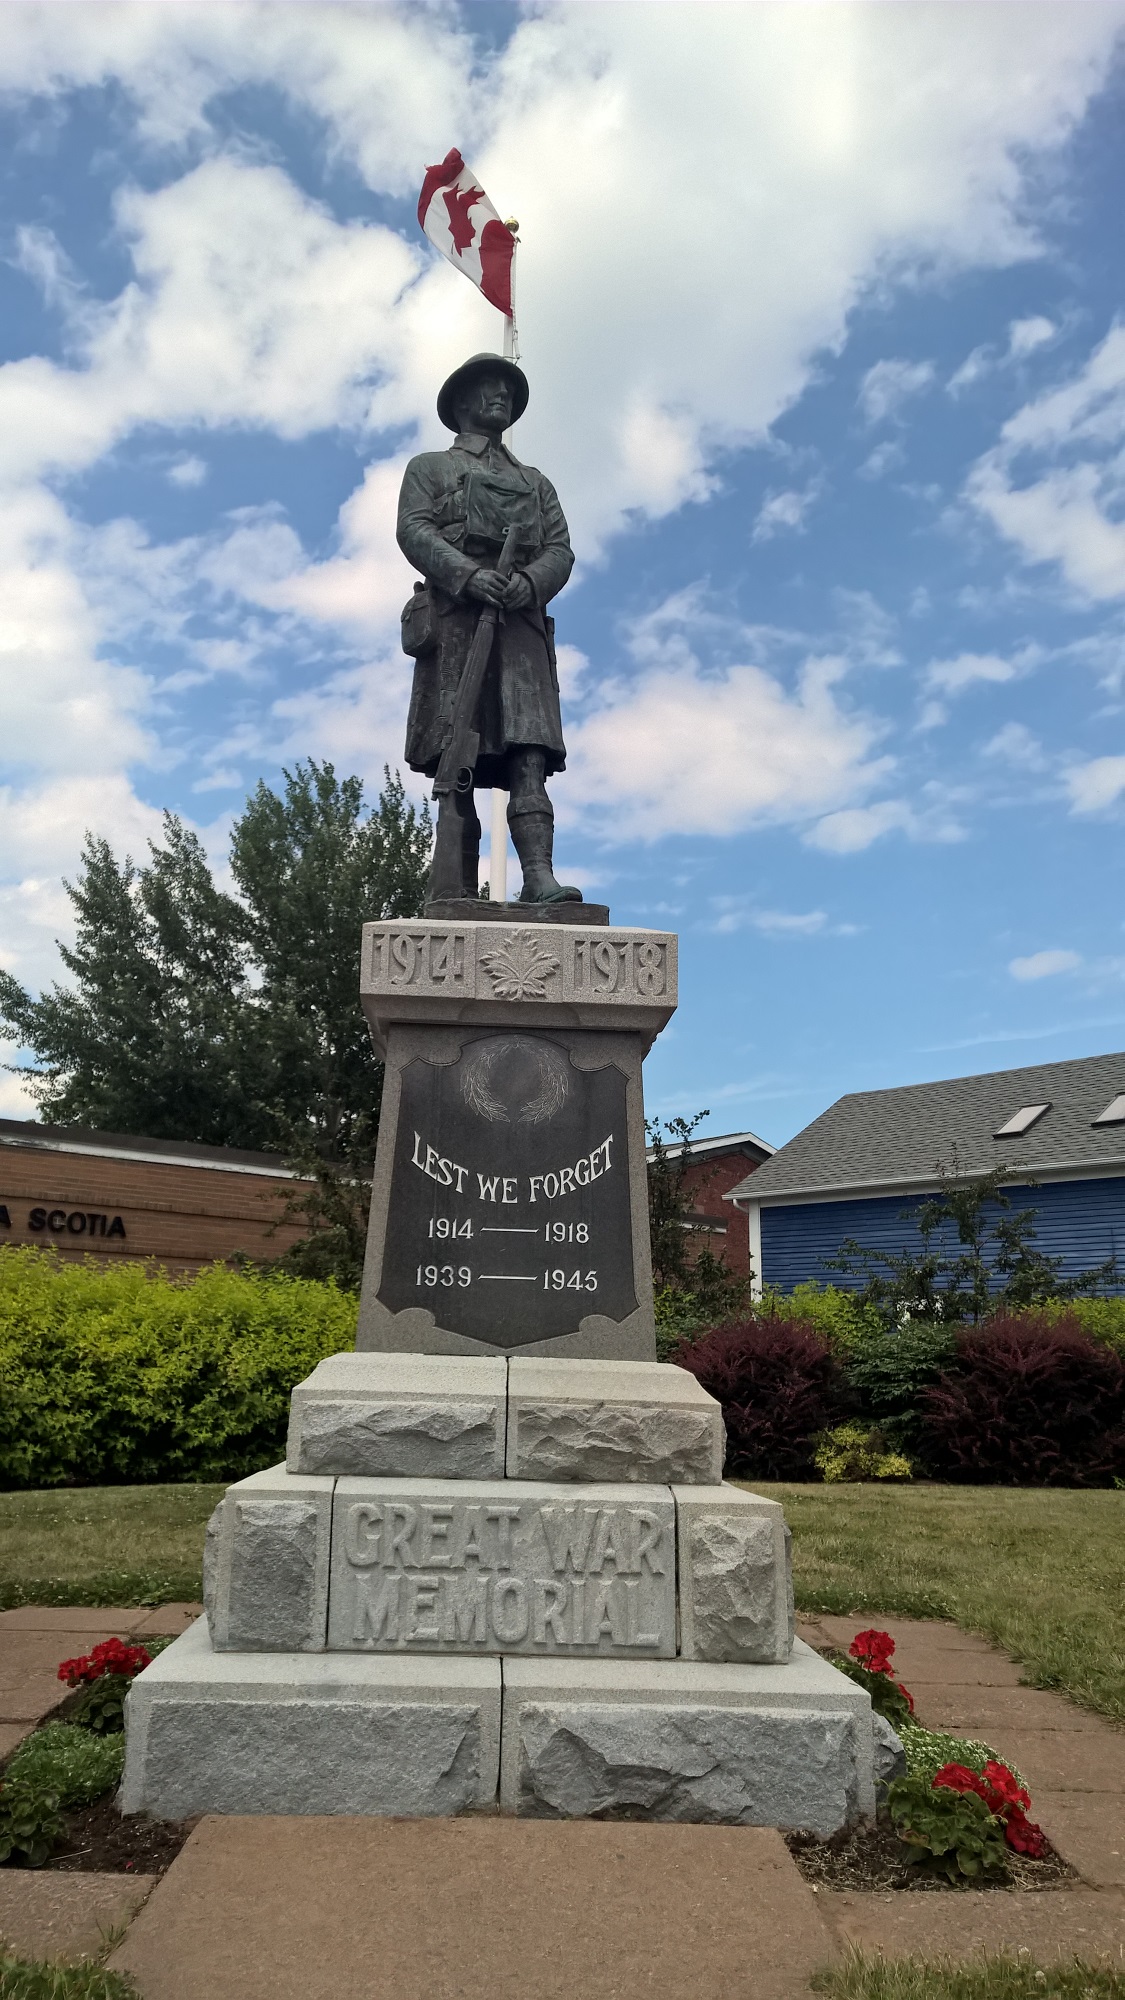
(386, 1910)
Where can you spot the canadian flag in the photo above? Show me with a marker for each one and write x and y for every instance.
(458, 217)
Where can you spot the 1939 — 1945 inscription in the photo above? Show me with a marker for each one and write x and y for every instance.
(511, 1207)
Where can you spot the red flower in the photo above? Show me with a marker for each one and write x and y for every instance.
(873, 1650)
(1003, 1797)
(113, 1656)
(1003, 1781)
(1023, 1834)
(959, 1778)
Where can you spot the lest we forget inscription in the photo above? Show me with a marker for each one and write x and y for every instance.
(512, 1218)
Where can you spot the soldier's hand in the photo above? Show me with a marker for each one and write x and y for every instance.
(487, 586)
(518, 595)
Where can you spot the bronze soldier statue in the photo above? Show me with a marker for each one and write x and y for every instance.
(491, 541)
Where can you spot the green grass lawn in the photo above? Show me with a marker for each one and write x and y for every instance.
(1039, 1572)
(860, 1977)
(104, 1544)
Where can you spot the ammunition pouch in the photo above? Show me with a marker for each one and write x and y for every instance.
(419, 623)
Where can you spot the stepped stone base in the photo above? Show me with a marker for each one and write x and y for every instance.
(380, 1734)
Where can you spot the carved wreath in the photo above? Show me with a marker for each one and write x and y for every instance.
(477, 1084)
(519, 967)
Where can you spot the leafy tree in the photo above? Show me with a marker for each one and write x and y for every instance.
(996, 1263)
(694, 1287)
(233, 1020)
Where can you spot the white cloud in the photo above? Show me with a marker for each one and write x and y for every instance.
(783, 510)
(856, 827)
(1044, 964)
(889, 384)
(190, 471)
(1095, 785)
(1025, 335)
(682, 748)
(1015, 744)
(1068, 511)
(953, 675)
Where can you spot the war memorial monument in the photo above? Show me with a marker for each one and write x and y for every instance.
(499, 1566)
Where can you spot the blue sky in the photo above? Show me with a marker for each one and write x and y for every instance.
(820, 308)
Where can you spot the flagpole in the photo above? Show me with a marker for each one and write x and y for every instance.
(498, 831)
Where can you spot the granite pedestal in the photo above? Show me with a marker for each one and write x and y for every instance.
(500, 1563)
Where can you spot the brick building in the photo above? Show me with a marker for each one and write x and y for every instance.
(715, 1167)
(111, 1195)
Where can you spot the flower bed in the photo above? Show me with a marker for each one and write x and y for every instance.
(957, 1818)
(58, 1789)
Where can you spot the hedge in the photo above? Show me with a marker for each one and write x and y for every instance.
(123, 1375)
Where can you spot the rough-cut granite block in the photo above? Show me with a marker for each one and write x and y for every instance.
(209, 1732)
(496, 1566)
(734, 1576)
(890, 1757)
(785, 1746)
(400, 1416)
(265, 1564)
(646, 1421)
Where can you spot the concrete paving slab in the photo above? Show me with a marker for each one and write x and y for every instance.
(356, 1909)
(927, 1651)
(974, 1711)
(95, 1619)
(1055, 1924)
(29, 1669)
(45, 1915)
(1089, 1831)
(12, 1733)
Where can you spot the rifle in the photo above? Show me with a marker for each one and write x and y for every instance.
(462, 744)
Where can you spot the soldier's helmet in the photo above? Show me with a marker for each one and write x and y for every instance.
(481, 364)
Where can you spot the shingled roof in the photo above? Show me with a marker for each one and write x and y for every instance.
(896, 1138)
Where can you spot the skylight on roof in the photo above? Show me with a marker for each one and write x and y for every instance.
(1114, 1114)
(1021, 1121)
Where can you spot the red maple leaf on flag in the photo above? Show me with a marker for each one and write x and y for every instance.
(461, 228)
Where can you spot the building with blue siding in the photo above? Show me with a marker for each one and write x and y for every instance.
(862, 1168)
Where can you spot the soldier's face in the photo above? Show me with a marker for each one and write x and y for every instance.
(486, 405)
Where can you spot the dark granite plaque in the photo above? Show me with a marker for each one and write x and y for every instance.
(509, 1215)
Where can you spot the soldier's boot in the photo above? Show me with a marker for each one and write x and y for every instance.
(453, 869)
(533, 837)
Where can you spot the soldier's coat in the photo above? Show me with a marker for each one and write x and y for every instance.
(454, 509)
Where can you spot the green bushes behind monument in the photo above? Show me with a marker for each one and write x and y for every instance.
(124, 1376)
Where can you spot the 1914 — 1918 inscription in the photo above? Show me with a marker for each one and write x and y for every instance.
(511, 1204)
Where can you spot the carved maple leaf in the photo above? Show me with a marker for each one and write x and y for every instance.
(519, 967)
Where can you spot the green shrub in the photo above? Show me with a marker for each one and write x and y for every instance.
(857, 1451)
(840, 1317)
(889, 1373)
(29, 1821)
(73, 1763)
(952, 1833)
(1101, 1319)
(124, 1376)
(34, 1979)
